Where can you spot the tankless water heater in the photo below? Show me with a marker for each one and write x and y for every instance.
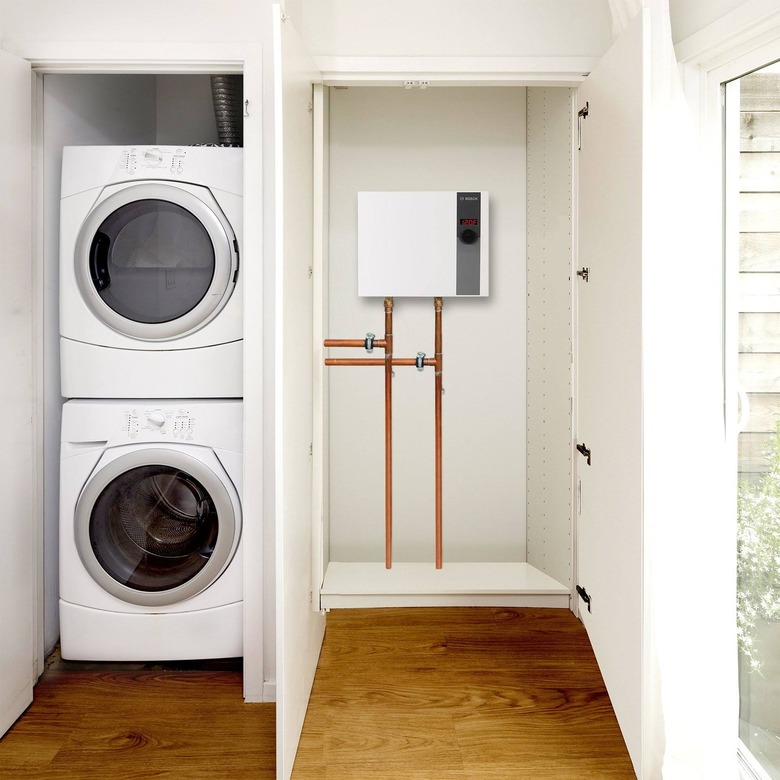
(432, 244)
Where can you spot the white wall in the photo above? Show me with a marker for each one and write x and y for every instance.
(117, 22)
(184, 110)
(690, 16)
(529, 28)
(435, 139)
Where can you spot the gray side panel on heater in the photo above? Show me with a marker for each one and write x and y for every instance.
(468, 245)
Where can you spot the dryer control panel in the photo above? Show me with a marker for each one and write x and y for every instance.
(167, 422)
(146, 159)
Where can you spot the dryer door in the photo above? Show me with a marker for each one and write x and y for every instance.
(156, 526)
(156, 261)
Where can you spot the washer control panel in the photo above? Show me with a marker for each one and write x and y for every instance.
(147, 159)
(165, 422)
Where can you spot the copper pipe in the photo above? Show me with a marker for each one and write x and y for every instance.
(355, 361)
(388, 433)
(389, 362)
(437, 306)
(380, 343)
(376, 362)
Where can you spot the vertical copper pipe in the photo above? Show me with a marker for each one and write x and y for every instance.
(437, 306)
(388, 433)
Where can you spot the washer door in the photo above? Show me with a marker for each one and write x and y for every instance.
(155, 262)
(156, 526)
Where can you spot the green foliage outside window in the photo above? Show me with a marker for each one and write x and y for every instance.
(758, 553)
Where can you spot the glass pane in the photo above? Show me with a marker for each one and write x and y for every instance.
(153, 528)
(151, 261)
(756, 276)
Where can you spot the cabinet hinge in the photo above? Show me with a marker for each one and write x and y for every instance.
(584, 274)
(584, 595)
(581, 114)
(584, 451)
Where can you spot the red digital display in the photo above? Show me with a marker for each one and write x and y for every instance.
(473, 222)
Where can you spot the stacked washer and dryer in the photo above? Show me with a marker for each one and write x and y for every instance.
(151, 326)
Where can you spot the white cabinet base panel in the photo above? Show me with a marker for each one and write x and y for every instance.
(455, 585)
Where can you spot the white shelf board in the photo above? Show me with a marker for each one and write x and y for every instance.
(456, 584)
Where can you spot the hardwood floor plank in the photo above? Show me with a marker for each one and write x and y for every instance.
(368, 738)
(372, 772)
(576, 769)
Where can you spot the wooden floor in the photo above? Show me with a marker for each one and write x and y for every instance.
(114, 722)
(418, 694)
(466, 693)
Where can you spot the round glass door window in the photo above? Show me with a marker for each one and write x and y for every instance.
(154, 527)
(151, 261)
(155, 261)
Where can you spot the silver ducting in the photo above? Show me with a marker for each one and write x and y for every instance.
(227, 94)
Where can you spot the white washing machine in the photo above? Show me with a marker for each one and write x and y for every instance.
(151, 300)
(150, 530)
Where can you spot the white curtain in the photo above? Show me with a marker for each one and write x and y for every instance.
(623, 11)
(689, 514)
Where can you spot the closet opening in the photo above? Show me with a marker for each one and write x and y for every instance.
(122, 131)
(506, 464)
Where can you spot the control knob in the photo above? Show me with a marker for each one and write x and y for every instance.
(157, 419)
(153, 156)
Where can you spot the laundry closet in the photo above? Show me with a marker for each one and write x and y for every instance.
(105, 119)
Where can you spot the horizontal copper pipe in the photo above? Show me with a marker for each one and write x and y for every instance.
(376, 362)
(379, 343)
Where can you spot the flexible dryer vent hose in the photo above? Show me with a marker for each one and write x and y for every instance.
(227, 93)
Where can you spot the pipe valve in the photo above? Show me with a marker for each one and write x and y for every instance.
(420, 361)
(369, 343)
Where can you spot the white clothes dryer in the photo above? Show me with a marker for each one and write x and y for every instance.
(150, 530)
(151, 300)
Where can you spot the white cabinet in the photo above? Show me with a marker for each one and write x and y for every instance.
(369, 142)
(299, 629)
(438, 139)
(609, 373)
(17, 461)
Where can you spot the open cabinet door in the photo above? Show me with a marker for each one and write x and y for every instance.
(17, 460)
(609, 370)
(299, 628)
